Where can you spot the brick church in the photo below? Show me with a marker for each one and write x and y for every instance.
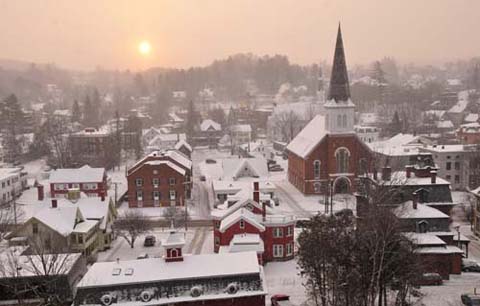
(327, 154)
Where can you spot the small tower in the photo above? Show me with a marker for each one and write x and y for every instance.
(173, 245)
(339, 108)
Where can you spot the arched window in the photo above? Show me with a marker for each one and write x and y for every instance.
(174, 253)
(316, 169)
(344, 121)
(342, 155)
(422, 226)
(363, 166)
(316, 187)
(339, 120)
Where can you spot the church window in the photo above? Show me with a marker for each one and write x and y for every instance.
(316, 169)
(342, 155)
(344, 121)
(339, 120)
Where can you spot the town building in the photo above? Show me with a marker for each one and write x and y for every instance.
(367, 134)
(184, 147)
(327, 155)
(23, 276)
(91, 181)
(240, 134)
(164, 142)
(93, 147)
(176, 279)
(209, 134)
(78, 224)
(12, 183)
(247, 225)
(469, 133)
(162, 178)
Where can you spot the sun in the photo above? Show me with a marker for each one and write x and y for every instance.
(144, 48)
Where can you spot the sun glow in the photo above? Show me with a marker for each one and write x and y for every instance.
(144, 48)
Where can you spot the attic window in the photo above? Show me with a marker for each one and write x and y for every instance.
(117, 271)
(129, 271)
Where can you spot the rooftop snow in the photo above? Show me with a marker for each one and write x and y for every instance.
(309, 137)
(243, 128)
(210, 124)
(425, 239)
(85, 174)
(459, 107)
(182, 143)
(167, 163)
(406, 211)
(156, 269)
(241, 214)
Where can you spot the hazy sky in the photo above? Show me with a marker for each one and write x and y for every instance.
(89, 33)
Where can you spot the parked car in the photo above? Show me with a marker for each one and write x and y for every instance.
(470, 299)
(142, 256)
(149, 241)
(203, 178)
(210, 161)
(430, 279)
(280, 300)
(470, 266)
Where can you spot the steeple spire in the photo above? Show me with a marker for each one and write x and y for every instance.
(339, 87)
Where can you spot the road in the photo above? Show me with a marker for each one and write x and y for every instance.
(284, 197)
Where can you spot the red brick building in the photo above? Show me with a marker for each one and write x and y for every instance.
(327, 154)
(160, 179)
(91, 181)
(176, 279)
(247, 226)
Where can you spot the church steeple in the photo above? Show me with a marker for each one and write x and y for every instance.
(339, 87)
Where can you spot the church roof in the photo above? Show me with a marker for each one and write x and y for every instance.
(309, 137)
(339, 87)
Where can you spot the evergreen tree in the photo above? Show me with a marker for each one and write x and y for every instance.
(76, 112)
(191, 121)
(12, 117)
(396, 124)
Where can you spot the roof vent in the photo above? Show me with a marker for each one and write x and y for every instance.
(129, 271)
(116, 271)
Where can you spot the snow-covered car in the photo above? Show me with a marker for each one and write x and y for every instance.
(470, 266)
(280, 300)
(470, 299)
(142, 256)
(149, 241)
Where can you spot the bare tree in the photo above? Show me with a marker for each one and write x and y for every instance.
(9, 214)
(287, 123)
(131, 225)
(57, 137)
(176, 216)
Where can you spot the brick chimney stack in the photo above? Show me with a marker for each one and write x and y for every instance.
(264, 211)
(433, 176)
(415, 200)
(386, 173)
(40, 192)
(409, 170)
(256, 192)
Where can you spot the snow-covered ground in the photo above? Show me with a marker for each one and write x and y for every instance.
(284, 278)
(449, 293)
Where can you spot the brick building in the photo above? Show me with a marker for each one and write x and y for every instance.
(160, 179)
(248, 226)
(327, 154)
(91, 181)
(93, 147)
(175, 279)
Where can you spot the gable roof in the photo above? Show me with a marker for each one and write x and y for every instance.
(183, 143)
(208, 123)
(241, 214)
(406, 211)
(85, 174)
(309, 137)
(61, 219)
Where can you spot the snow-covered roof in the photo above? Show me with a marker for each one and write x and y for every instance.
(183, 143)
(399, 178)
(444, 124)
(246, 242)
(435, 113)
(447, 148)
(167, 163)
(471, 117)
(222, 213)
(62, 112)
(175, 117)
(85, 174)
(174, 155)
(241, 214)
(174, 239)
(9, 172)
(425, 239)
(406, 211)
(400, 145)
(60, 219)
(147, 270)
(459, 107)
(448, 249)
(243, 128)
(208, 123)
(309, 137)
(162, 138)
(233, 168)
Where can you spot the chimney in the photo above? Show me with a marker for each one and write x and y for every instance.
(54, 203)
(40, 192)
(409, 170)
(433, 176)
(415, 199)
(386, 173)
(102, 197)
(264, 211)
(256, 192)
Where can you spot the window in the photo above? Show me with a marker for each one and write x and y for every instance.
(277, 232)
(174, 253)
(457, 165)
(80, 238)
(422, 226)
(34, 228)
(217, 224)
(155, 182)
(457, 179)
(288, 249)
(449, 166)
(156, 195)
(289, 231)
(448, 156)
(316, 187)
(217, 240)
(58, 186)
(139, 182)
(344, 121)
(171, 181)
(139, 195)
(277, 250)
(339, 120)
(342, 155)
(449, 178)
(173, 195)
(76, 185)
(316, 169)
(242, 224)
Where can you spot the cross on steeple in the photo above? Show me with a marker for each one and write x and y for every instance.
(339, 87)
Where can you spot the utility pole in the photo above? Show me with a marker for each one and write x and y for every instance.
(331, 197)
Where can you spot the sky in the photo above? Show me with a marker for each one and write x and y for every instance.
(106, 33)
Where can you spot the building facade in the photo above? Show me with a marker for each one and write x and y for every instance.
(91, 181)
